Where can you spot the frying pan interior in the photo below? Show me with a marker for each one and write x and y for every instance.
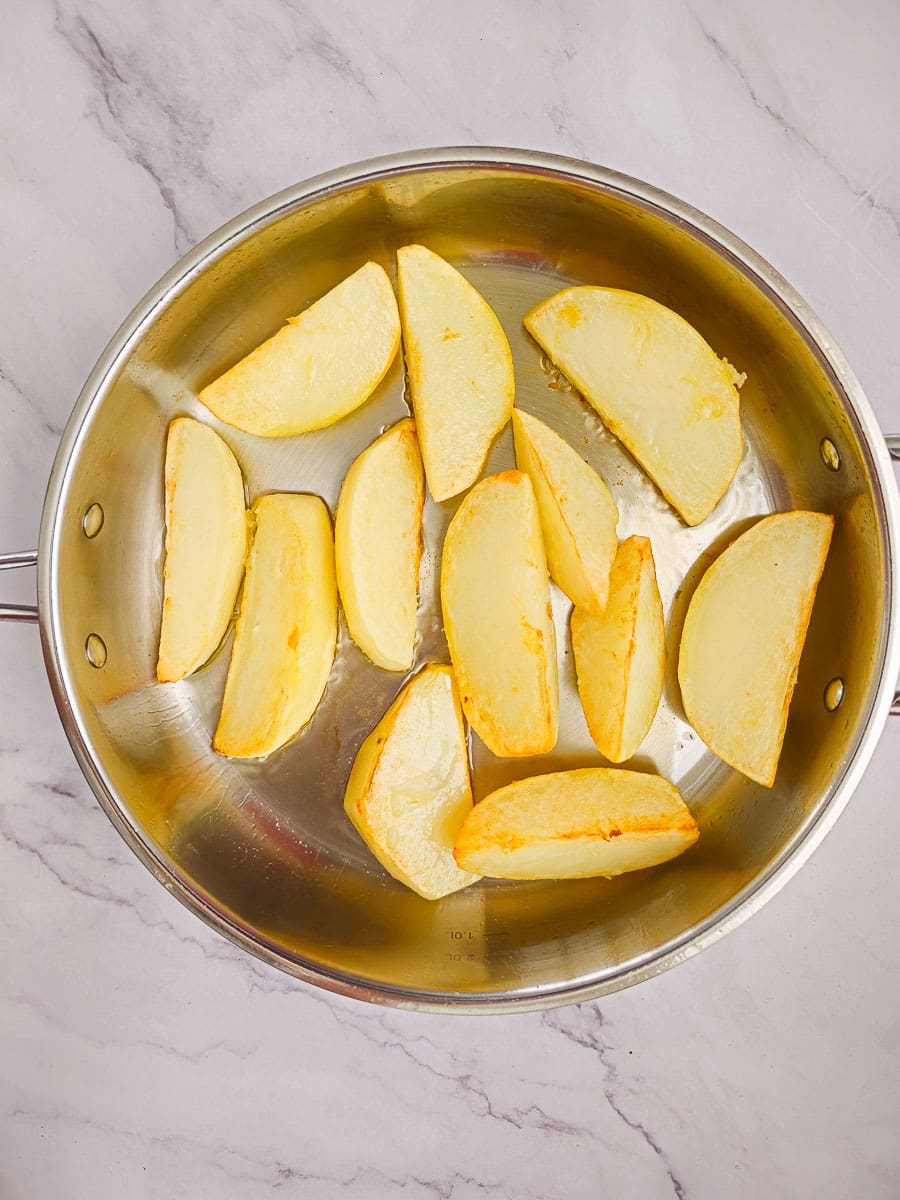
(263, 849)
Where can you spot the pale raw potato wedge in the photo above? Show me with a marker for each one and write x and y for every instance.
(573, 824)
(495, 596)
(286, 630)
(655, 382)
(319, 367)
(206, 544)
(378, 543)
(460, 369)
(743, 636)
(578, 514)
(620, 656)
(409, 789)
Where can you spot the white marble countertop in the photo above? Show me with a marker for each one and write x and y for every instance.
(140, 1054)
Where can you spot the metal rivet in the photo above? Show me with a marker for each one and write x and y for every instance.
(95, 650)
(830, 456)
(92, 521)
(834, 694)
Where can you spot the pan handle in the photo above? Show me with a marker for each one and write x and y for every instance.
(18, 612)
(893, 445)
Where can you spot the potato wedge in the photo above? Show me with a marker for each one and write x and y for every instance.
(409, 789)
(378, 543)
(578, 513)
(460, 369)
(573, 824)
(620, 656)
(656, 384)
(495, 597)
(743, 637)
(286, 631)
(206, 544)
(319, 367)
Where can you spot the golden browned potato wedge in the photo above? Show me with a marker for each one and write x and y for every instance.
(206, 544)
(409, 790)
(743, 637)
(578, 514)
(572, 824)
(620, 656)
(321, 366)
(286, 630)
(378, 542)
(655, 382)
(496, 601)
(460, 369)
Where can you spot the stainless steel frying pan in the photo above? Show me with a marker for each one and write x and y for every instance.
(262, 850)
